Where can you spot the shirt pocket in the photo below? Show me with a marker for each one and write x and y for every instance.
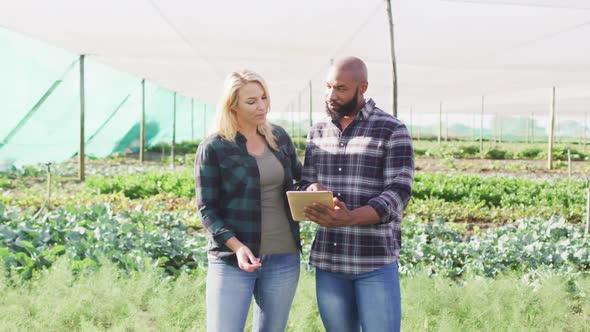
(234, 174)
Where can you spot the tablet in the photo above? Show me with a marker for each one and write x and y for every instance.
(299, 199)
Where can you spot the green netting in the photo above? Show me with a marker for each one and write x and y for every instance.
(495, 127)
(40, 106)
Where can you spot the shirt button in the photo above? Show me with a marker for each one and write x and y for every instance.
(341, 144)
(334, 244)
(339, 169)
(338, 194)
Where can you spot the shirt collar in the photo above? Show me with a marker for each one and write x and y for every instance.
(367, 109)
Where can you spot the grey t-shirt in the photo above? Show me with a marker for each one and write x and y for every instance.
(276, 235)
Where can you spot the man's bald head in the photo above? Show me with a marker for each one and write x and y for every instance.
(354, 65)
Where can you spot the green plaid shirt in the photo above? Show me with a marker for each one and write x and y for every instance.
(227, 183)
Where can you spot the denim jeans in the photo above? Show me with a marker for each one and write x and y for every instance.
(230, 290)
(371, 300)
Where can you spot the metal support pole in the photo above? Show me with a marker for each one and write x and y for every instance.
(310, 106)
(481, 129)
(551, 127)
(142, 125)
(440, 123)
(585, 130)
(446, 127)
(533, 127)
(393, 63)
(48, 198)
(527, 130)
(569, 163)
(300, 113)
(82, 152)
(173, 145)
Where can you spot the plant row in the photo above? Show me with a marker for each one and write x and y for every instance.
(88, 234)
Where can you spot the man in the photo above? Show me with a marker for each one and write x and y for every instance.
(365, 157)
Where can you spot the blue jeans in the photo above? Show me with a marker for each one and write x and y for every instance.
(230, 290)
(371, 300)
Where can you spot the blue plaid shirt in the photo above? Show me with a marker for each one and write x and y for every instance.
(370, 163)
(227, 185)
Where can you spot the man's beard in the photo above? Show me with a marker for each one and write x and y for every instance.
(345, 109)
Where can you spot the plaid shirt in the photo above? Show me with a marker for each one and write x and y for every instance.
(370, 163)
(227, 183)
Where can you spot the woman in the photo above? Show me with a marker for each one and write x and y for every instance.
(242, 172)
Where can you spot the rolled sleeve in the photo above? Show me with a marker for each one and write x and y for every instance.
(398, 176)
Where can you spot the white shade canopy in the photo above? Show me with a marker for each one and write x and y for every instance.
(511, 51)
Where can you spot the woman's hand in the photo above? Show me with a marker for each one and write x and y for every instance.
(246, 260)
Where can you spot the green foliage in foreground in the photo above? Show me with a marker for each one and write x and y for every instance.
(109, 299)
(529, 245)
(87, 233)
(130, 238)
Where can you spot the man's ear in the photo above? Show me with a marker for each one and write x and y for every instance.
(364, 86)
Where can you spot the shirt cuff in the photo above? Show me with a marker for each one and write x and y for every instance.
(381, 208)
(222, 238)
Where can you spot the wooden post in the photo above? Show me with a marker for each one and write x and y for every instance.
(173, 145)
(551, 127)
(440, 123)
(393, 63)
(82, 152)
(569, 163)
(481, 128)
(142, 125)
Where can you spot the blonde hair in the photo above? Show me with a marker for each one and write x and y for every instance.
(227, 124)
